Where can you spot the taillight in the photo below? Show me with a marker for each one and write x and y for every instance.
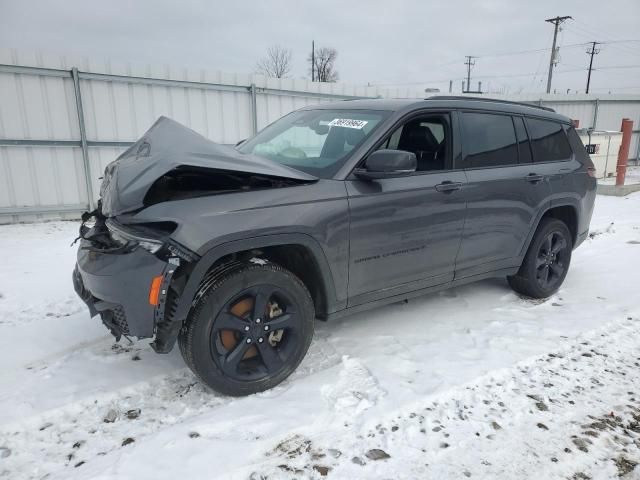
(591, 171)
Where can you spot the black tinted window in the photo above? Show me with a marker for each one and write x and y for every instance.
(577, 146)
(524, 149)
(548, 140)
(488, 140)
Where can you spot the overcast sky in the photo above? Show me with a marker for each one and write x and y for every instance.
(395, 42)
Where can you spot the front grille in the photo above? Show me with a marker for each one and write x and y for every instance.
(116, 321)
(120, 320)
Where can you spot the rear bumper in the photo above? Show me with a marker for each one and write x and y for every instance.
(581, 238)
(116, 286)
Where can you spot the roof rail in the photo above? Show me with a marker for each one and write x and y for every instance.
(485, 99)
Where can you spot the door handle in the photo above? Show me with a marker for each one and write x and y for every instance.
(448, 186)
(534, 178)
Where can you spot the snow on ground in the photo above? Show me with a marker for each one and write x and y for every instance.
(474, 382)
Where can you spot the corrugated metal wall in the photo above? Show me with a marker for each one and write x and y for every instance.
(46, 158)
(44, 177)
(42, 158)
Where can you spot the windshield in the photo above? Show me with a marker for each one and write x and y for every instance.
(314, 141)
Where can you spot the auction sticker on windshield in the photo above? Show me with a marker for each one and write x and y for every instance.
(348, 123)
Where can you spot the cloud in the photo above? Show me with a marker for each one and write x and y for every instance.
(378, 42)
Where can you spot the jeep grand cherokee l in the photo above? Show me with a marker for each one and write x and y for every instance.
(336, 208)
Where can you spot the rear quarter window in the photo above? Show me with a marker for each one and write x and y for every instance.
(548, 140)
(578, 147)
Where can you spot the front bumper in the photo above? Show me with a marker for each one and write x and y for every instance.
(116, 286)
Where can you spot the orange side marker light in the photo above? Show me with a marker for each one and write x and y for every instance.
(154, 291)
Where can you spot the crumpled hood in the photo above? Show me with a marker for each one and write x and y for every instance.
(166, 146)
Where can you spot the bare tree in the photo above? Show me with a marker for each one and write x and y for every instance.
(324, 68)
(276, 64)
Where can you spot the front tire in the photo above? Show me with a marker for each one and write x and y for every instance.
(249, 330)
(546, 263)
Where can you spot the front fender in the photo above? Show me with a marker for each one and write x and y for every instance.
(210, 257)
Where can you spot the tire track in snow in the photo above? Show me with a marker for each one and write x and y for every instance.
(76, 433)
(574, 413)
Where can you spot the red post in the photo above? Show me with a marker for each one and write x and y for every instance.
(623, 153)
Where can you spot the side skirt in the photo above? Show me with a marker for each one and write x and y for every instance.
(422, 291)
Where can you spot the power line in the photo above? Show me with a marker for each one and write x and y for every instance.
(538, 50)
(556, 22)
(597, 31)
(629, 40)
(612, 41)
(574, 69)
(529, 74)
(524, 52)
(469, 63)
(607, 67)
(591, 52)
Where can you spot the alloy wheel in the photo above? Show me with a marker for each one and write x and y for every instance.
(551, 260)
(255, 333)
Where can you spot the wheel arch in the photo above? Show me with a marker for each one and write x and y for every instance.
(299, 253)
(565, 211)
(568, 214)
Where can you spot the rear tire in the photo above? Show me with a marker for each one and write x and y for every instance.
(248, 331)
(546, 263)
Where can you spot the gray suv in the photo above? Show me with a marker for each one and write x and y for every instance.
(233, 252)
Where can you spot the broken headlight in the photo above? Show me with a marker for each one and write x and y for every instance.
(133, 237)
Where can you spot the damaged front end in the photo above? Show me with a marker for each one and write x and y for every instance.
(186, 182)
(171, 162)
(132, 275)
(132, 272)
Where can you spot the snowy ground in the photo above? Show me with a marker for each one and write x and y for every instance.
(472, 382)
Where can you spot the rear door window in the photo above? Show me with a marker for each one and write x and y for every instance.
(488, 140)
(524, 149)
(548, 140)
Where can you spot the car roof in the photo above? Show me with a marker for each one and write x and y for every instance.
(438, 102)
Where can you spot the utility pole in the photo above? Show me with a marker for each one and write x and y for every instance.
(469, 63)
(591, 52)
(556, 22)
(313, 60)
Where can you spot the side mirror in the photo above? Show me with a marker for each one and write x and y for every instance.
(387, 164)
